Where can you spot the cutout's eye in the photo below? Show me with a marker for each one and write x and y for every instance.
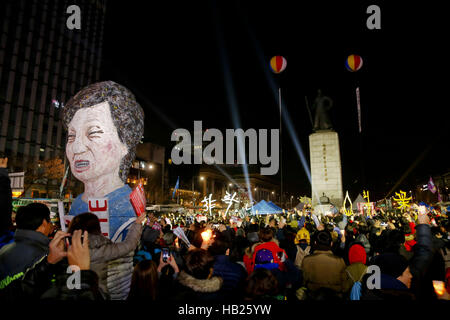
(70, 137)
(95, 132)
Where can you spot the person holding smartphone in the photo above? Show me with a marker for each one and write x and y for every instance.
(167, 272)
(106, 253)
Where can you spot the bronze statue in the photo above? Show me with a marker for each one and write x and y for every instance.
(322, 104)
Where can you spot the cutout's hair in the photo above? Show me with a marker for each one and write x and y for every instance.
(126, 113)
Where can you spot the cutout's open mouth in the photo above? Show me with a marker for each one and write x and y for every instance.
(81, 165)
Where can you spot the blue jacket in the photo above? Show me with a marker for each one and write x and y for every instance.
(233, 275)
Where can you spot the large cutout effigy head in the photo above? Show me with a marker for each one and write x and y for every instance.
(104, 124)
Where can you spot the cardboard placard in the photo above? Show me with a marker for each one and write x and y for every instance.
(138, 201)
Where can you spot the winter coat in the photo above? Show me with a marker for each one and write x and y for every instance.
(28, 247)
(233, 276)
(391, 289)
(49, 281)
(323, 269)
(113, 262)
(188, 288)
(301, 254)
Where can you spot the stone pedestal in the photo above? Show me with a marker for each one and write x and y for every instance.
(326, 170)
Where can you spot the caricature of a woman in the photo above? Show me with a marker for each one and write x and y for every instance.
(104, 124)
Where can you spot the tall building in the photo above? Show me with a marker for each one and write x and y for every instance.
(42, 64)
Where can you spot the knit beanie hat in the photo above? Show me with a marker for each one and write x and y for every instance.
(357, 253)
(392, 264)
(302, 234)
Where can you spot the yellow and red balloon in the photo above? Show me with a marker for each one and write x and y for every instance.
(278, 64)
(353, 62)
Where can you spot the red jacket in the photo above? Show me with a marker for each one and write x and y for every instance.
(272, 247)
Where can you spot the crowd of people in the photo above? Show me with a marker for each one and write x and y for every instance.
(395, 255)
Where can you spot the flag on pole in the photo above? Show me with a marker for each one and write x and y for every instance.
(358, 103)
(63, 182)
(431, 185)
(176, 187)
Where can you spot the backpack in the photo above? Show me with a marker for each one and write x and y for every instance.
(355, 292)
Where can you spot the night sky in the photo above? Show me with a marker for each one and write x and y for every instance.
(173, 54)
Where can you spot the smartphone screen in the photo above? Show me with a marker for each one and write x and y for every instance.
(165, 253)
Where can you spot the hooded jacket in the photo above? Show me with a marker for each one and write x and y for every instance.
(189, 288)
(113, 262)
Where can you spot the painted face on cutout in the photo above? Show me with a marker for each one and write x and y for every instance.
(93, 145)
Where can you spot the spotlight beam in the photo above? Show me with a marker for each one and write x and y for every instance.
(231, 97)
